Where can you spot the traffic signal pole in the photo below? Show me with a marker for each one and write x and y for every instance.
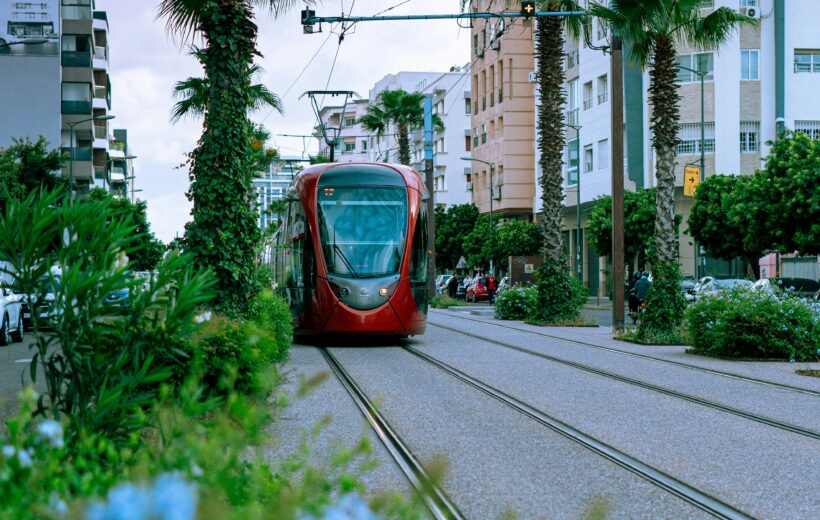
(431, 196)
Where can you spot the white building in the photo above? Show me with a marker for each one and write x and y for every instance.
(60, 89)
(451, 99)
(344, 121)
(273, 185)
(760, 79)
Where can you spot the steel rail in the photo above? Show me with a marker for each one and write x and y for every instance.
(649, 386)
(667, 482)
(434, 498)
(730, 375)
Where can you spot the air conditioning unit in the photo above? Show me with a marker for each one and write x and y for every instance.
(751, 12)
(469, 186)
(533, 77)
(496, 44)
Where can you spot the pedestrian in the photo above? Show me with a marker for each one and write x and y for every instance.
(633, 300)
(642, 287)
(452, 286)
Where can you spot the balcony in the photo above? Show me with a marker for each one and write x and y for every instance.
(100, 131)
(100, 53)
(572, 117)
(77, 11)
(587, 104)
(602, 98)
(80, 154)
(75, 59)
(75, 107)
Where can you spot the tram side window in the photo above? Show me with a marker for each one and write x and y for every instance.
(301, 265)
(418, 253)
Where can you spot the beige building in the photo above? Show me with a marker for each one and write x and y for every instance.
(502, 115)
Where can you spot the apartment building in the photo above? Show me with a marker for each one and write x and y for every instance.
(762, 80)
(121, 166)
(59, 88)
(502, 119)
(343, 121)
(273, 185)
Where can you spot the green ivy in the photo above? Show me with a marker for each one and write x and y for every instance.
(224, 234)
(560, 296)
(664, 303)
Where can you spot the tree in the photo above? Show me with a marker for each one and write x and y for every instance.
(719, 228)
(452, 226)
(639, 225)
(402, 109)
(144, 249)
(550, 77)
(511, 238)
(26, 167)
(223, 234)
(477, 246)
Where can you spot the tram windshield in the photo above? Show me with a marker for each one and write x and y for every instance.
(363, 229)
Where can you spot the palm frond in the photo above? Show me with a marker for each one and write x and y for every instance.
(261, 97)
(711, 31)
(279, 7)
(192, 94)
(182, 17)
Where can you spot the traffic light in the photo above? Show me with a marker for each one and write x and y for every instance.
(527, 8)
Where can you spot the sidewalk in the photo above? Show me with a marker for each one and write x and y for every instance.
(15, 361)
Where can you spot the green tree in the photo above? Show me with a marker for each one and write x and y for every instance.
(223, 234)
(318, 159)
(639, 225)
(724, 232)
(402, 109)
(145, 250)
(452, 226)
(517, 238)
(26, 167)
(477, 246)
(650, 30)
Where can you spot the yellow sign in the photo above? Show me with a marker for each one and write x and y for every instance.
(691, 179)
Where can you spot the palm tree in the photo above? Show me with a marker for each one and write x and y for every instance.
(223, 234)
(550, 76)
(402, 109)
(651, 30)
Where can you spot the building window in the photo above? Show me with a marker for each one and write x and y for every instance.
(350, 147)
(749, 136)
(602, 89)
(589, 163)
(572, 162)
(708, 4)
(689, 138)
(364, 145)
(810, 128)
(572, 58)
(603, 153)
(484, 133)
(750, 64)
(475, 136)
(467, 143)
(572, 94)
(807, 60)
(467, 105)
(350, 121)
(702, 62)
(587, 95)
(748, 3)
(602, 30)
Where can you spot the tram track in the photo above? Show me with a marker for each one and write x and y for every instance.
(682, 490)
(730, 375)
(440, 506)
(642, 384)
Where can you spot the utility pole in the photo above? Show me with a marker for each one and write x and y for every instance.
(616, 72)
(431, 198)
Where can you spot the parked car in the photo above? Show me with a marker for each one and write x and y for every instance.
(803, 287)
(709, 286)
(482, 289)
(119, 297)
(11, 315)
(461, 290)
(441, 283)
(503, 285)
(43, 301)
(687, 283)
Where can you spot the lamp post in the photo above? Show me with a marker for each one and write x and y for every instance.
(492, 229)
(700, 74)
(29, 41)
(73, 149)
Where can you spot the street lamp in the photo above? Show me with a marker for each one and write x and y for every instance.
(29, 41)
(73, 149)
(492, 229)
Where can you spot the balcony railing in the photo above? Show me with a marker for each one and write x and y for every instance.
(77, 12)
(80, 154)
(100, 53)
(76, 59)
(75, 107)
(100, 132)
(572, 116)
(602, 98)
(587, 104)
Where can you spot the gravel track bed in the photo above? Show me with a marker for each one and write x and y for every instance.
(794, 408)
(763, 471)
(500, 461)
(294, 423)
(773, 371)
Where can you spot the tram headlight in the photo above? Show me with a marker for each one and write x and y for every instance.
(344, 291)
(383, 291)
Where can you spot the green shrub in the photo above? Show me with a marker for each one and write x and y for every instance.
(745, 324)
(516, 303)
(271, 325)
(560, 295)
(228, 357)
(442, 301)
(664, 305)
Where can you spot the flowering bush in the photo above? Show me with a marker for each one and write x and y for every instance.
(749, 324)
(516, 303)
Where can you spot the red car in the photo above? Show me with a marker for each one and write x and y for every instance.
(482, 289)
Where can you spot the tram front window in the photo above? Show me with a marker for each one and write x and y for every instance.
(363, 229)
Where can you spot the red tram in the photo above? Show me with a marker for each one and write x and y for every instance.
(351, 255)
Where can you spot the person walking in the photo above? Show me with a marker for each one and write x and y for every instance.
(452, 286)
(642, 287)
(630, 290)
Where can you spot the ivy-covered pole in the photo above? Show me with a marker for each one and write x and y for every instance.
(223, 234)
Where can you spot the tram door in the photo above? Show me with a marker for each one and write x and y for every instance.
(300, 260)
(419, 260)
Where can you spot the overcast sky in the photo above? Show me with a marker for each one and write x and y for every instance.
(145, 64)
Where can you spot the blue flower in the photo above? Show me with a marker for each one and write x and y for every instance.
(349, 507)
(170, 497)
(174, 498)
(52, 431)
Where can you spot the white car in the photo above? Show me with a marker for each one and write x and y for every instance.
(11, 316)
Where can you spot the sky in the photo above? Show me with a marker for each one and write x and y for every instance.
(145, 63)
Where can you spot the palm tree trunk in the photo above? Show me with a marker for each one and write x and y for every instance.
(404, 145)
(223, 234)
(664, 97)
(550, 74)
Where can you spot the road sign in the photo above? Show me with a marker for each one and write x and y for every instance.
(691, 179)
(462, 263)
(527, 9)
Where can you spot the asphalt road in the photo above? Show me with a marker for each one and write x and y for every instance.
(501, 461)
